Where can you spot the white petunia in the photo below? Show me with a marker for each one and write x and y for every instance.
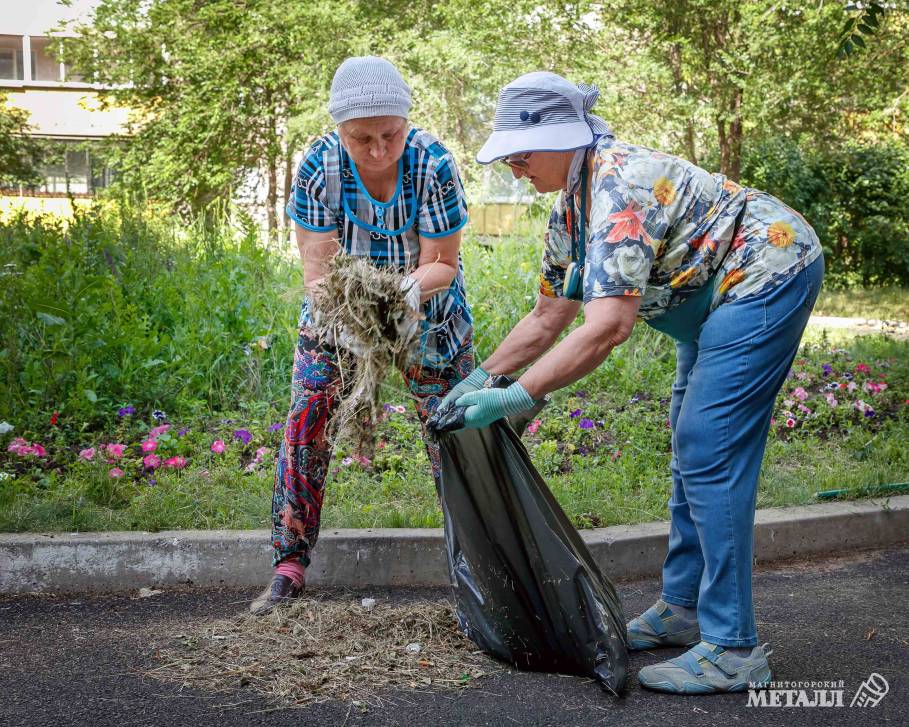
(6, 427)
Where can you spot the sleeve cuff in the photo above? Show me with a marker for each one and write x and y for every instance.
(306, 225)
(445, 233)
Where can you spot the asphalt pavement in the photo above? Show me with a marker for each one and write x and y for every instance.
(80, 660)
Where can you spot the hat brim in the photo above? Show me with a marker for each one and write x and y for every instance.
(552, 137)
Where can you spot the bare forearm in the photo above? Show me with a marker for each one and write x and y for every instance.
(433, 278)
(579, 353)
(527, 341)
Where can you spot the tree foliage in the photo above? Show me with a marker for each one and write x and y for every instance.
(20, 154)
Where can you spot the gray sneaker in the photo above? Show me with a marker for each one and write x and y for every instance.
(708, 669)
(659, 627)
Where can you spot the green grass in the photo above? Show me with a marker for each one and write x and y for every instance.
(199, 318)
(877, 303)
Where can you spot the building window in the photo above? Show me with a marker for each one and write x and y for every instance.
(12, 66)
(74, 169)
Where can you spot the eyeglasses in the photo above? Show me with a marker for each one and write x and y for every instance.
(517, 160)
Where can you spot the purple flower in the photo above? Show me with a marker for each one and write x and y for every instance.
(581, 394)
(869, 412)
(583, 451)
(828, 369)
(125, 411)
(586, 423)
(635, 399)
(158, 415)
(243, 435)
(152, 481)
(847, 375)
(388, 407)
(183, 432)
(276, 427)
(575, 414)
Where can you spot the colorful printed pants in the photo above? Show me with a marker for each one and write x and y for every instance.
(304, 455)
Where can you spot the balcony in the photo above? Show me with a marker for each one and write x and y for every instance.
(26, 62)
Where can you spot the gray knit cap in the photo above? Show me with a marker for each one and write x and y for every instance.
(367, 86)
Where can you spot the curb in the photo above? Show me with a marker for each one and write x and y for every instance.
(107, 562)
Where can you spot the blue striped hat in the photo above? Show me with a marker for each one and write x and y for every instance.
(542, 111)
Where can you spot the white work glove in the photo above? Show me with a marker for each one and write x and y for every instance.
(345, 339)
(411, 288)
(408, 325)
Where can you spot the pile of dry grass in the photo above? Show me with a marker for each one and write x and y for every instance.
(320, 648)
(366, 302)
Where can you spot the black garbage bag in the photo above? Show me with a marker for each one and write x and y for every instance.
(527, 588)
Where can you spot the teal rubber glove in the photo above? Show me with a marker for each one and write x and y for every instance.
(485, 406)
(474, 381)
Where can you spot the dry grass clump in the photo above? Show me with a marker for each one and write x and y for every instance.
(366, 302)
(317, 649)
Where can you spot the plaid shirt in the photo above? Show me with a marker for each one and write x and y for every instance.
(429, 201)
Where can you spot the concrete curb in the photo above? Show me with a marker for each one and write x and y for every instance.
(105, 562)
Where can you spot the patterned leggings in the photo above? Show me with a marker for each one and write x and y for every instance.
(304, 455)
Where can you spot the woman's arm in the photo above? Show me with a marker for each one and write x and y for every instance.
(607, 323)
(438, 264)
(316, 251)
(533, 335)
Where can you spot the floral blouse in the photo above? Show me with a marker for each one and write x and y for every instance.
(660, 228)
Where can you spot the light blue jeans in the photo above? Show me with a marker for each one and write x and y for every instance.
(722, 399)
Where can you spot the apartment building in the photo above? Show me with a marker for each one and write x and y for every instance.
(62, 107)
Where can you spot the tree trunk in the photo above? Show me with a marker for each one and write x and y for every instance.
(675, 62)
(288, 189)
(729, 134)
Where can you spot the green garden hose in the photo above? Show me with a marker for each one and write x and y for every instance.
(863, 491)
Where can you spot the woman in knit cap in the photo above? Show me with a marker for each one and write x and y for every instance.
(379, 188)
(731, 274)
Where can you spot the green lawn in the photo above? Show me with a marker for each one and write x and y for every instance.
(202, 329)
(877, 303)
(615, 473)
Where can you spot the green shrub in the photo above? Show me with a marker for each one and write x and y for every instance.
(854, 196)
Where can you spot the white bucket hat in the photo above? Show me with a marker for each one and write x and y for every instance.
(542, 111)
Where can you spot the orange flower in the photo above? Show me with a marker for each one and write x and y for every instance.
(704, 240)
(732, 278)
(627, 225)
(664, 191)
(683, 277)
(780, 234)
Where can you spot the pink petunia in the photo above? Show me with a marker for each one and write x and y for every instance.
(831, 400)
(534, 426)
(151, 461)
(87, 454)
(790, 422)
(17, 445)
(38, 450)
(799, 393)
(149, 445)
(175, 463)
(862, 369)
(217, 446)
(158, 431)
(804, 409)
(262, 451)
(116, 473)
(115, 450)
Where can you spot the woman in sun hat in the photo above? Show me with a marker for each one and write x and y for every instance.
(731, 274)
(379, 188)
